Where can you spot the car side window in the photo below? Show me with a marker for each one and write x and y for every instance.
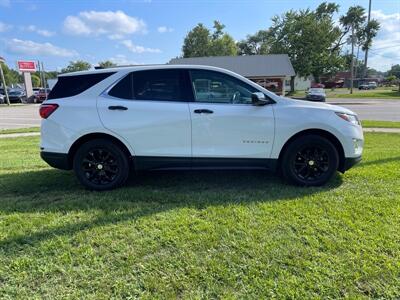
(216, 87)
(123, 89)
(159, 85)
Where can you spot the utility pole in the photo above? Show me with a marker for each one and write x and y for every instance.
(44, 77)
(366, 50)
(3, 80)
(352, 60)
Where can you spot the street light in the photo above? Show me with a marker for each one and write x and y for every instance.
(2, 60)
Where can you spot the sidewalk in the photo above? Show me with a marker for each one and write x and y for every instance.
(14, 135)
(386, 130)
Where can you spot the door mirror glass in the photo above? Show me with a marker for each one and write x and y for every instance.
(259, 98)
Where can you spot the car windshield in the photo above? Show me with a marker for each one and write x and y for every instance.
(15, 92)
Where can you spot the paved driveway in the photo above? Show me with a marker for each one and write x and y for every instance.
(19, 116)
(370, 109)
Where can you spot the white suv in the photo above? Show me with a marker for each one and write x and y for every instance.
(104, 123)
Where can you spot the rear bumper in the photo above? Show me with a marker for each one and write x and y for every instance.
(56, 160)
(350, 162)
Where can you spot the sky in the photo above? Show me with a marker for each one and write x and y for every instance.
(151, 31)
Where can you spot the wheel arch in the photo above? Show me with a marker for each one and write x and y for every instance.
(326, 134)
(91, 136)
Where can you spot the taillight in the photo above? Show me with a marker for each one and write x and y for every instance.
(46, 110)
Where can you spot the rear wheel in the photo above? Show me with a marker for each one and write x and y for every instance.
(310, 160)
(101, 165)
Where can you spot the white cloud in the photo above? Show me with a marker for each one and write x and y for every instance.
(138, 49)
(113, 24)
(42, 32)
(122, 60)
(26, 47)
(163, 29)
(4, 27)
(385, 49)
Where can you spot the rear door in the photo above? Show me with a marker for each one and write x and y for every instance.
(149, 109)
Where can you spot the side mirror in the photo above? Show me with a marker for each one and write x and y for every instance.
(259, 99)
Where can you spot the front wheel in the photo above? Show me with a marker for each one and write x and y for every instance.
(310, 160)
(101, 165)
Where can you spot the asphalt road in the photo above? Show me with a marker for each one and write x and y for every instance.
(367, 109)
(371, 109)
(20, 116)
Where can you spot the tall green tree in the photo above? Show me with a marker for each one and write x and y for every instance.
(394, 71)
(309, 38)
(107, 64)
(75, 66)
(200, 41)
(10, 75)
(368, 33)
(257, 43)
(35, 80)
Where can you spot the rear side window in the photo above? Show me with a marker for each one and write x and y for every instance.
(68, 86)
(161, 85)
(123, 89)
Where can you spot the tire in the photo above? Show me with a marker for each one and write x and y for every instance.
(101, 165)
(310, 160)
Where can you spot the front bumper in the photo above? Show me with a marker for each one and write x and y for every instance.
(350, 162)
(56, 160)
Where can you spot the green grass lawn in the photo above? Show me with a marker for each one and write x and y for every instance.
(20, 130)
(197, 235)
(380, 124)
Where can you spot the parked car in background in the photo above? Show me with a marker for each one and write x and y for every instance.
(368, 86)
(105, 123)
(316, 94)
(2, 92)
(317, 85)
(17, 96)
(41, 95)
(334, 84)
(2, 99)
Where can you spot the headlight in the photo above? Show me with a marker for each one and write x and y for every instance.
(349, 118)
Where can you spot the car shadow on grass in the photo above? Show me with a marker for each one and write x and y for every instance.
(53, 191)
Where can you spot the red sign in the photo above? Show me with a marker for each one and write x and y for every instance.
(26, 66)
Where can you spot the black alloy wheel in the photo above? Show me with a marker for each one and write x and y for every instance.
(101, 165)
(310, 160)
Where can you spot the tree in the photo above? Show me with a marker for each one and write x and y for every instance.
(394, 71)
(35, 80)
(197, 42)
(370, 31)
(352, 23)
(11, 76)
(75, 66)
(254, 44)
(309, 38)
(391, 79)
(200, 41)
(107, 64)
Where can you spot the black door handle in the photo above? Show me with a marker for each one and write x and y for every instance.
(203, 111)
(117, 107)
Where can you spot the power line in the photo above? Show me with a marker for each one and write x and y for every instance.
(383, 55)
(387, 47)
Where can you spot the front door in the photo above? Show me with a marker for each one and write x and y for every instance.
(225, 124)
